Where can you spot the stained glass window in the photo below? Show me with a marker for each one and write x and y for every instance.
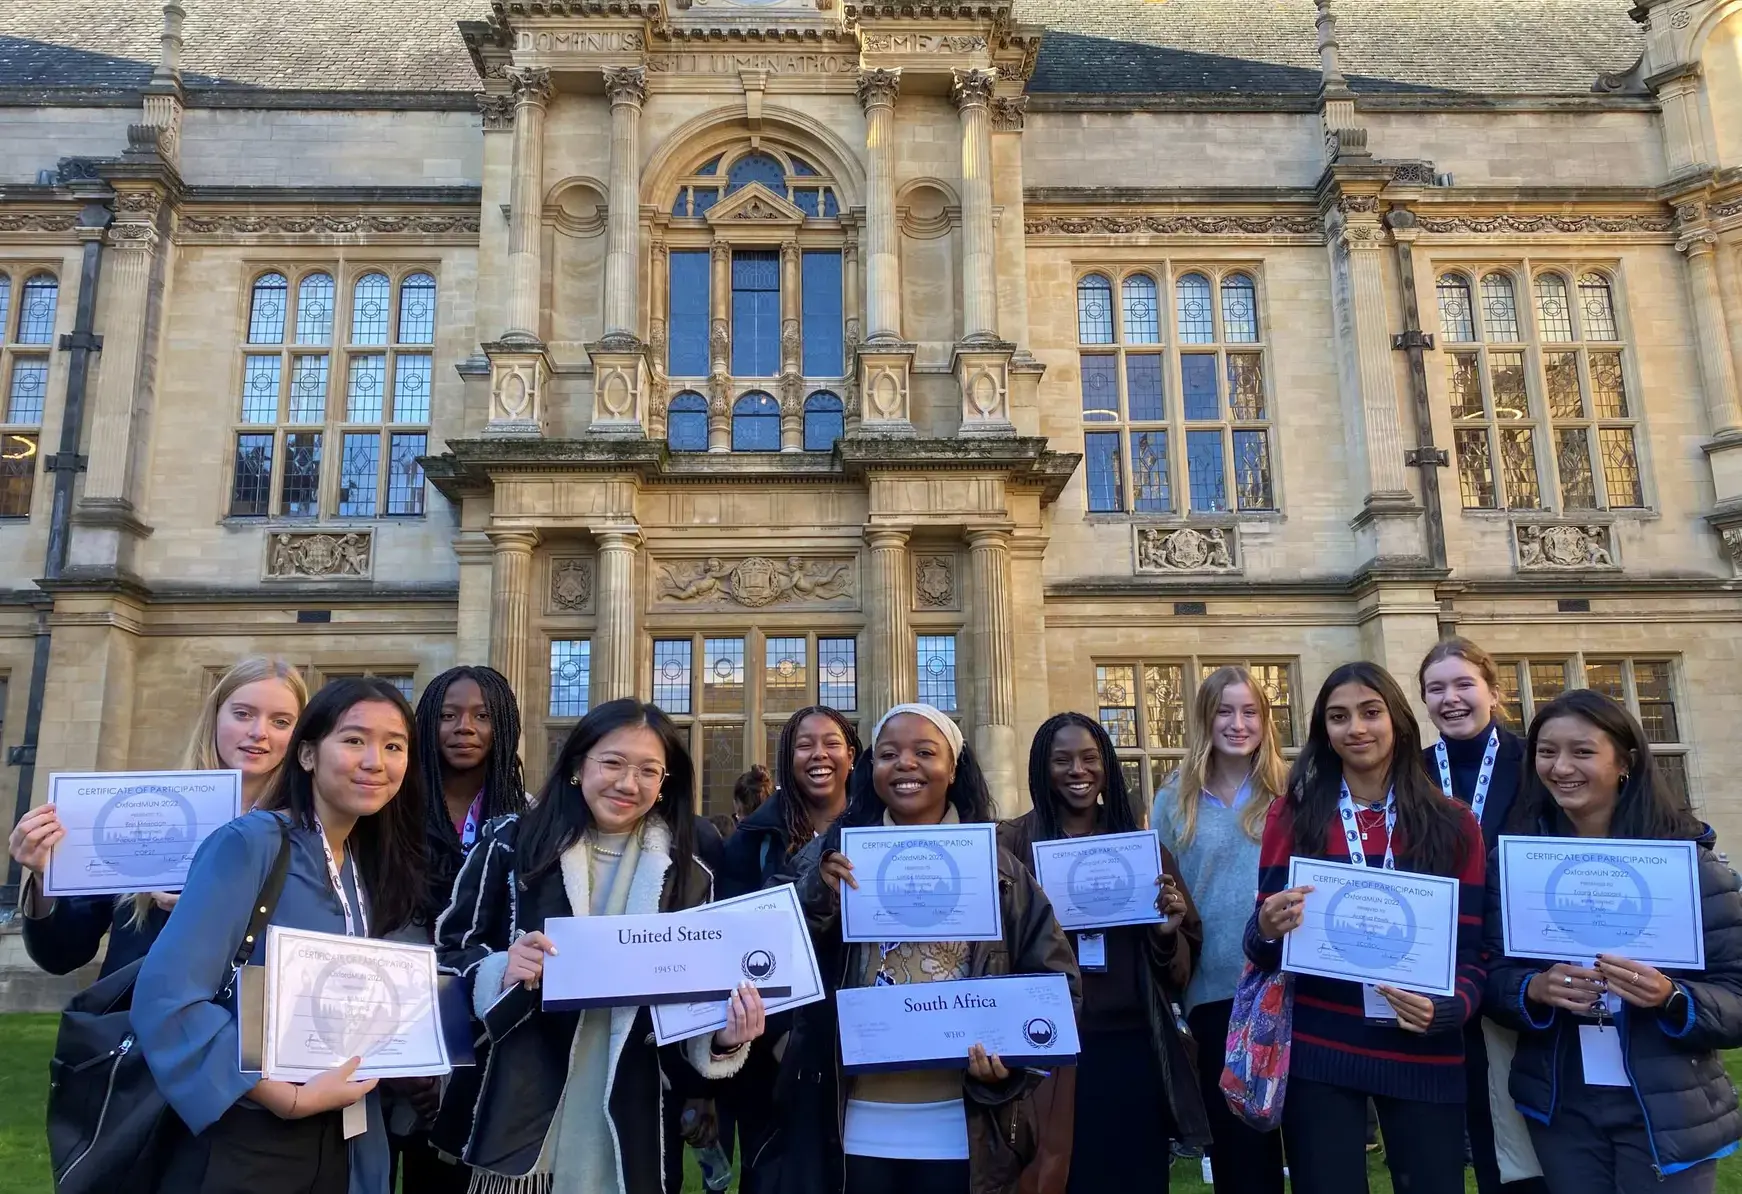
(1151, 487)
(937, 670)
(371, 303)
(1554, 314)
(417, 300)
(1116, 694)
(1573, 463)
(5, 306)
(365, 389)
(687, 313)
(266, 310)
(723, 675)
(757, 167)
(1597, 307)
(405, 474)
(1518, 468)
(308, 389)
(1457, 324)
(314, 309)
(822, 319)
(1466, 386)
(260, 376)
(755, 313)
(1565, 400)
(411, 387)
(1608, 387)
(1621, 467)
(1197, 315)
(786, 674)
(1252, 470)
(301, 494)
(824, 421)
(1246, 386)
(359, 467)
(36, 309)
(686, 423)
(1164, 706)
(1094, 310)
(1142, 310)
(571, 677)
(1239, 310)
(671, 675)
(1499, 308)
(29, 389)
(838, 675)
(1475, 468)
(756, 424)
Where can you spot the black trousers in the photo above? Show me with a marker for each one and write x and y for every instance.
(1479, 1119)
(1325, 1131)
(1597, 1145)
(420, 1169)
(1243, 1159)
(1123, 1123)
(881, 1175)
(252, 1151)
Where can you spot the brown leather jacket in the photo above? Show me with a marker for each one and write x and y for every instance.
(1171, 957)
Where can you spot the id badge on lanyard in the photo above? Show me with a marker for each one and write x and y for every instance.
(357, 924)
(1374, 1005)
(1484, 777)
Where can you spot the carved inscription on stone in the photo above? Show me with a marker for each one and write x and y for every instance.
(597, 41)
(725, 63)
(1564, 548)
(923, 43)
(571, 585)
(756, 581)
(320, 556)
(934, 582)
(1185, 549)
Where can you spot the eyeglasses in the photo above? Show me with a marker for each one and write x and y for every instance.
(613, 769)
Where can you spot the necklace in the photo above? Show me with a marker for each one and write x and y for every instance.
(596, 848)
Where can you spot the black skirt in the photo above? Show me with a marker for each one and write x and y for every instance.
(252, 1151)
(1124, 1127)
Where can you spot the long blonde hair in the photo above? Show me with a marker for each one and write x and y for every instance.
(202, 748)
(1269, 770)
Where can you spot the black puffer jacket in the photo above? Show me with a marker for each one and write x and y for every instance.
(804, 1155)
(1691, 1109)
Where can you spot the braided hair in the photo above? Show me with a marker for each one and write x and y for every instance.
(1116, 813)
(795, 817)
(504, 784)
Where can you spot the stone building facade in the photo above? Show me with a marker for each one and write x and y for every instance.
(739, 354)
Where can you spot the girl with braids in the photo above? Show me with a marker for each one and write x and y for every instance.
(468, 733)
(817, 750)
(1359, 794)
(1210, 815)
(1133, 1086)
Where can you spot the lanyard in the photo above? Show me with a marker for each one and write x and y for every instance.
(337, 879)
(1352, 831)
(1484, 777)
(469, 831)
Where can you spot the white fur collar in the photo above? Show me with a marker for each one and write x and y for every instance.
(644, 888)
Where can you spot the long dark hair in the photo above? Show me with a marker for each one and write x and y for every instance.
(794, 815)
(388, 845)
(1116, 813)
(967, 793)
(504, 783)
(1646, 808)
(560, 816)
(1429, 826)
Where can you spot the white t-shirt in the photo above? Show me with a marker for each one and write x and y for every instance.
(907, 1131)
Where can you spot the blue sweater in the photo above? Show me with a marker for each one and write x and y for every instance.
(1220, 869)
(190, 1039)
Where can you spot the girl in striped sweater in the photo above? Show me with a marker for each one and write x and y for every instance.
(1359, 794)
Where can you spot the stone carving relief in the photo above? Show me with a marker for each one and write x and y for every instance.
(1564, 548)
(1185, 549)
(756, 581)
(1546, 223)
(571, 585)
(1733, 547)
(878, 87)
(934, 582)
(1174, 225)
(38, 222)
(498, 111)
(1009, 113)
(320, 556)
(626, 84)
(290, 224)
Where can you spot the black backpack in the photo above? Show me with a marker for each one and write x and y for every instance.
(109, 1127)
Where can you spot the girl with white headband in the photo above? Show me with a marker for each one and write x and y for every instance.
(914, 1131)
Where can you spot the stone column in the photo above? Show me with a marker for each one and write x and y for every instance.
(614, 660)
(511, 603)
(891, 678)
(791, 362)
(627, 87)
(851, 288)
(1712, 328)
(877, 91)
(719, 347)
(993, 656)
(532, 91)
(972, 92)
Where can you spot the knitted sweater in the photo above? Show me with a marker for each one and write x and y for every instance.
(1333, 1041)
(1220, 869)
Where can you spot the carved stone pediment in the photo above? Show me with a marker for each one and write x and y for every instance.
(320, 555)
(1564, 547)
(756, 582)
(754, 205)
(1170, 551)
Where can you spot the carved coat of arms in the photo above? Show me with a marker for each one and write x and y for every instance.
(571, 584)
(757, 581)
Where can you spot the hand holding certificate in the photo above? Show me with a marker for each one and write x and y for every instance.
(796, 964)
(700, 955)
(1572, 899)
(1366, 925)
(921, 883)
(134, 831)
(1019, 1019)
(1100, 881)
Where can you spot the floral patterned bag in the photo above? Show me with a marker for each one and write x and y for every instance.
(1260, 1033)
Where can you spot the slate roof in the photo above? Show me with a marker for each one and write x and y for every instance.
(1094, 46)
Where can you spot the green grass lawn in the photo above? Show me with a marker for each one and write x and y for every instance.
(27, 1041)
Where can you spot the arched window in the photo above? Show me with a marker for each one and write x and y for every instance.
(1197, 313)
(1239, 310)
(266, 310)
(5, 306)
(1142, 310)
(1499, 308)
(824, 421)
(314, 309)
(1095, 310)
(756, 424)
(686, 423)
(417, 297)
(371, 302)
(1457, 321)
(1553, 311)
(1597, 308)
(757, 166)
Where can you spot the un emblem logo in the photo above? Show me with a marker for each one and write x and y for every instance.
(1040, 1032)
(758, 965)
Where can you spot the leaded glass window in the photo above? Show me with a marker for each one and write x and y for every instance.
(757, 167)
(289, 414)
(936, 656)
(791, 177)
(687, 314)
(1551, 389)
(824, 421)
(29, 390)
(821, 326)
(1143, 452)
(756, 424)
(756, 313)
(571, 677)
(686, 423)
(24, 372)
(838, 677)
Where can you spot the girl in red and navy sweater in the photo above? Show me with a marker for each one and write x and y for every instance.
(1359, 785)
